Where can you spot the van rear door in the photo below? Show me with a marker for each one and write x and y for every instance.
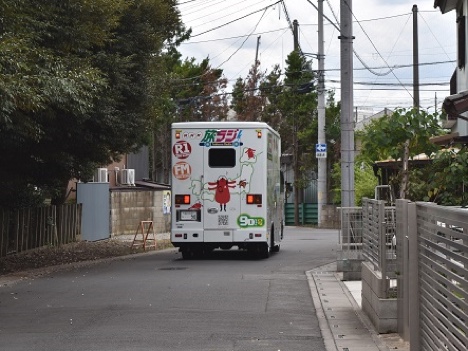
(221, 199)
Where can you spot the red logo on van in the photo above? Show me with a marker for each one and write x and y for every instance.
(250, 153)
(181, 149)
(222, 195)
(182, 170)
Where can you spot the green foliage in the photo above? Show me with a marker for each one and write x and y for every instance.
(445, 180)
(298, 108)
(400, 136)
(74, 86)
(365, 182)
(187, 91)
(247, 101)
(385, 137)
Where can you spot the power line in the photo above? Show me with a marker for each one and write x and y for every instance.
(240, 47)
(391, 84)
(235, 20)
(236, 37)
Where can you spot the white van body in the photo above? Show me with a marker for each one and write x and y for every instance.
(226, 187)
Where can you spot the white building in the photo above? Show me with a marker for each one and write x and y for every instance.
(456, 105)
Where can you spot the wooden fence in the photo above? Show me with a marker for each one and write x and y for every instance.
(31, 228)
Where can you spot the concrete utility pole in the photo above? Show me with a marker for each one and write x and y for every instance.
(415, 57)
(321, 140)
(256, 62)
(296, 35)
(347, 123)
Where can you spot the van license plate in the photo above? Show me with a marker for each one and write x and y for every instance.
(188, 215)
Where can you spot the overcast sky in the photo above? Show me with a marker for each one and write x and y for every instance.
(226, 31)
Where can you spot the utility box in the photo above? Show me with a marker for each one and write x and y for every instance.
(95, 214)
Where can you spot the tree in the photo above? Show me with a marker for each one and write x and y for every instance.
(247, 99)
(400, 136)
(188, 91)
(444, 180)
(271, 88)
(364, 182)
(292, 107)
(74, 87)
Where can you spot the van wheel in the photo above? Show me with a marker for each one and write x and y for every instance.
(274, 248)
(187, 254)
(258, 251)
(263, 251)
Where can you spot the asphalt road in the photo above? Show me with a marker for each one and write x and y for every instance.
(158, 301)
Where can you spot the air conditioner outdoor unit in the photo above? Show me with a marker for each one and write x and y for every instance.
(102, 175)
(127, 177)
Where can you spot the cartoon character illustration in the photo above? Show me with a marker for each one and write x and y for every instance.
(222, 195)
(242, 183)
(196, 206)
(250, 152)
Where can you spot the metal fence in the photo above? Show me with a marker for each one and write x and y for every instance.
(30, 228)
(308, 213)
(378, 236)
(433, 310)
(350, 238)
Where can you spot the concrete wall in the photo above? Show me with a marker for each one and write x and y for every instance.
(130, 206)
(330, 217)
(351, 268)
(380, 310)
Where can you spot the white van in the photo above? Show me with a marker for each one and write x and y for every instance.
(226, 187)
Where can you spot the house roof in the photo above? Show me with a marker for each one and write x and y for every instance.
(446, 5)
(152, 185)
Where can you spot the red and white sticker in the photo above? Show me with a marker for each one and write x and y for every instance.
(181, 149)
(182, 170)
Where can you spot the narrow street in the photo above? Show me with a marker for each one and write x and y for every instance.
(158, 301)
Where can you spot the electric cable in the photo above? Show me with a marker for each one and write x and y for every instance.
(240, 47)
(235, 20)
(236, 37)
(434, 35)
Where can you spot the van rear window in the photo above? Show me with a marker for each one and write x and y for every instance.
(221, 158)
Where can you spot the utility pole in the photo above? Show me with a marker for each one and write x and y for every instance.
(296, 35)
(321, 140)
(256, 51)
(295, 142)
(256, 61)
(347, 125)
(415, 57)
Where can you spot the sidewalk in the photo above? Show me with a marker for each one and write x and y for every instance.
(343, 325)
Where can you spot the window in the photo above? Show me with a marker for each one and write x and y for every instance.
(221, 158)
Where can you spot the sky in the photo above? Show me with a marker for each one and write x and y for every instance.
(227, 32)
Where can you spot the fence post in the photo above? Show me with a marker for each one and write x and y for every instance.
(402, 267)
(413, 278)
(303, 213)
(382, 248)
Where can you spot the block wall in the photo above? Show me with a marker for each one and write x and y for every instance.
(130, 206)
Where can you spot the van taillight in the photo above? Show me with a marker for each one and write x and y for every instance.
(182, 199)
(254, 199)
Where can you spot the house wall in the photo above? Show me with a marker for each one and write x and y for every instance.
(130, 206)
(462, 73)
